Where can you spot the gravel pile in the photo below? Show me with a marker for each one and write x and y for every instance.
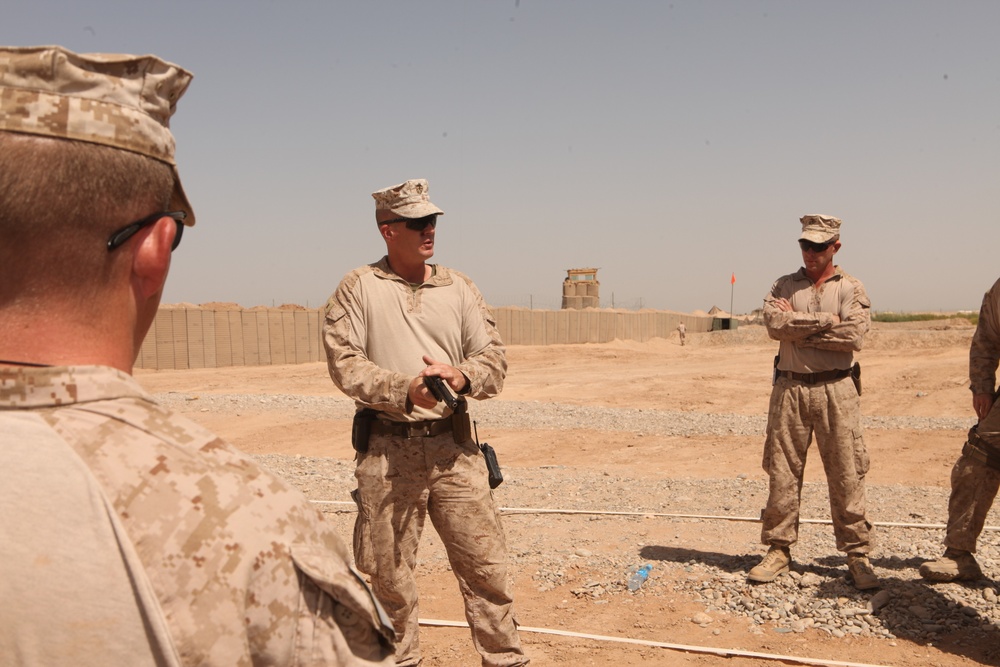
(605, 549)
(816, 594)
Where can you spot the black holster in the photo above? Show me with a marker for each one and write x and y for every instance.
(856, 376)
(361, 429)
(461, 429)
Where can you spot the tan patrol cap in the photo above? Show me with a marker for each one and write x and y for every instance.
(116, 100)
(820, 228)
(406, 200)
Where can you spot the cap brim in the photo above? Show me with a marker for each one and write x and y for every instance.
(179, 200)
(417, 210)
(817, 236)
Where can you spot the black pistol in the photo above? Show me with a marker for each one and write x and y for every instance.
(441, 392)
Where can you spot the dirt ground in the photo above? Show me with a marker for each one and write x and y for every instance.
(906, 373)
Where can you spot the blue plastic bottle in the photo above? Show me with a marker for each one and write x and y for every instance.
(639, 577)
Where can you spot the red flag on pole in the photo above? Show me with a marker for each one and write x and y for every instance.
(732, 280)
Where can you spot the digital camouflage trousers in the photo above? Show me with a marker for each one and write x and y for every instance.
(974, 486)
(401, 481)
(832, 412)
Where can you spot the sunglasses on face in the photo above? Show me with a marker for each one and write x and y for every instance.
(119, 237)
(417, 224)
(814, 247)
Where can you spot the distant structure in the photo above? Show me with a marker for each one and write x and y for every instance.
(581, 289)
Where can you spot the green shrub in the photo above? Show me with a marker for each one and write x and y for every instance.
(922, 317)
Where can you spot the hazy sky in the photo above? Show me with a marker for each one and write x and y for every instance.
(669, 144)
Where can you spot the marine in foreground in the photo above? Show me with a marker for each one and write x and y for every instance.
(131, 536)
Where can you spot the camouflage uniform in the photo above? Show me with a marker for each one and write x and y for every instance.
(812, 343)
(183, 552)
(130, 535)
(376, 330)
(974, 484)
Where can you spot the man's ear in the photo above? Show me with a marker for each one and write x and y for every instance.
(151, 257)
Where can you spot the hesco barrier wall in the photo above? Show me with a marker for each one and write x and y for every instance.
(519, 326)
(196, 338)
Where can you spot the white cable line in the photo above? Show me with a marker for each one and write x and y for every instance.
(724, 652)
(549, 510)
(678, 647)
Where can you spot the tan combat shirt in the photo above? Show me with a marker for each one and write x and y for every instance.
(160, 540)
(378, 328)
(984, 354)
(810, 341)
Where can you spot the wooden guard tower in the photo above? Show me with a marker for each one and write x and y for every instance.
(581, 289)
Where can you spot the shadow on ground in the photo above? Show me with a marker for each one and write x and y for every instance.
(950, 617)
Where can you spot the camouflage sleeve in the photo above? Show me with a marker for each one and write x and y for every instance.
(792, 326)
(246, 569)
(309, 607)
(339, 622)
(485, 361)
(984, 354)
(855, 320)
(345, 340)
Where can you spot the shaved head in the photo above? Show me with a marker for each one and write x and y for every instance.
(59, 202)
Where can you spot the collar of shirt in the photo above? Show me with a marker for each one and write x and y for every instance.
(440, 275)
(64, 385)
(838, 274)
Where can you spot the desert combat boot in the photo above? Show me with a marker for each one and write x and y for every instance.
(954, 565)
(861, 572)
(775, 562)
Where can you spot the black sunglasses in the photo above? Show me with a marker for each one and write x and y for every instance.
(119, 238)
(815, 247)
(417, 224)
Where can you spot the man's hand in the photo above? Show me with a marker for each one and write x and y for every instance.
(421, 396)
(982, 403)
(455, 378)
(785, 306)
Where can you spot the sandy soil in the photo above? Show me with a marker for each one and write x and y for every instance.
(908, 371)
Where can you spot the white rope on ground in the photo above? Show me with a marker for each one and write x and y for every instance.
(546, 510)
(724, 652)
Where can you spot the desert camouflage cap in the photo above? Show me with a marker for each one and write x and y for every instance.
(406, 200)
(116, 100)
(820, 228)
